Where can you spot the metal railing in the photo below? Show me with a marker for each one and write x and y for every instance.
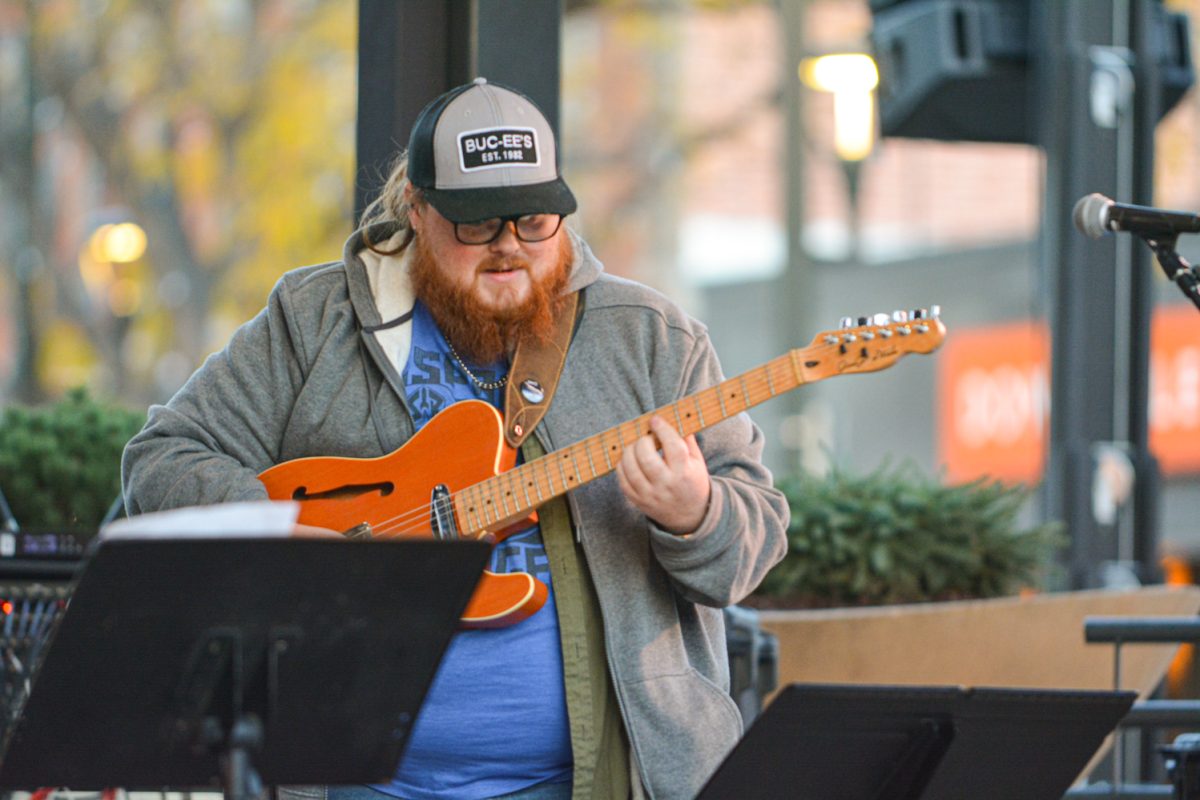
(1145, 714)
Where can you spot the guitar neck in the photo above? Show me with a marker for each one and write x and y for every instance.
(515, 493)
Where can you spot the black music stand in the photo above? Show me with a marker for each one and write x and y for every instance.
(849, 742)
(238, 662)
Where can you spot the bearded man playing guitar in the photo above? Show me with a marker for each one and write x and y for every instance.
(462, 293)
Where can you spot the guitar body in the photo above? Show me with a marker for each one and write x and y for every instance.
(460, 447)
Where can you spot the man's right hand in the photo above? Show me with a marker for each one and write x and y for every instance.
(314, 532)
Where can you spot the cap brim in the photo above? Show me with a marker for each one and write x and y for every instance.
(473, 205)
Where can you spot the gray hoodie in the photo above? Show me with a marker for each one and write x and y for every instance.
(303, 378)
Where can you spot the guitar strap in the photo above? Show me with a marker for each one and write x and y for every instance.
(534, 375)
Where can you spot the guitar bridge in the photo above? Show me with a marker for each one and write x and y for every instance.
(441, 514)
(360, 533)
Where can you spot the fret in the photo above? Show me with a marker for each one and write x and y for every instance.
(745, 391)
(604, 449)
(721, 401)
(462, 516)
(532, 480)
(525, 486)
(621, 436)
(678, 419)
(510, 492)
(575, 461)
(587, 451)
(770, 383)
(563, 472)
(699, 411)
(472, 497)
(501, 505)
(486, 505)
(549, 477)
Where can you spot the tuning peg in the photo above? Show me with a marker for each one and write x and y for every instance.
(881, 319)
(917, 313)
(935, 312)
(846, 322)
(864, 321)
(899, 316)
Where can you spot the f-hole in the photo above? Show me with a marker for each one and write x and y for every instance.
(347, 492)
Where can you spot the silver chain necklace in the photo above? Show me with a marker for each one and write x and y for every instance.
(486, 386)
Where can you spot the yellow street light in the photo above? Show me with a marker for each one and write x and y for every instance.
(120, 243)
(851, 78)
(105, 264)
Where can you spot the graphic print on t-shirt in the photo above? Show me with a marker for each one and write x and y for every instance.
(434, 382)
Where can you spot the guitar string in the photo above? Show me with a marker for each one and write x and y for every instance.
(760, 379)
(398, 526)
(394, 527)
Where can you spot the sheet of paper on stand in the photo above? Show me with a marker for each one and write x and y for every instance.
(267, 518)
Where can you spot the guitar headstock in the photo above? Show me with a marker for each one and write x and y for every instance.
(871, 343)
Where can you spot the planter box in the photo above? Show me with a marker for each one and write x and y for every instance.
(1032, 641)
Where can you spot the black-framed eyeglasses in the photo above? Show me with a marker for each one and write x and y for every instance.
(528, 228)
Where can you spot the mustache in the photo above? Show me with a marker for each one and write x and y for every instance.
(503, 264)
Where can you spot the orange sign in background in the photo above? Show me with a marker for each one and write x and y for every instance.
(994, 398)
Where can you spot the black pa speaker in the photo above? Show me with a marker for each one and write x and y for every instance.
(959, 69)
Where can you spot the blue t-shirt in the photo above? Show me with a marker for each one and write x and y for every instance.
(495, 719)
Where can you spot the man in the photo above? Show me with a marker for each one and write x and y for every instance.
(618, 686)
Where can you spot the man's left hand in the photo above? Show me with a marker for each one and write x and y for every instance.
(665, 477)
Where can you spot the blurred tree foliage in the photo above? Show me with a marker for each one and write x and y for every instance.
(224, 128)
(898, 536)
(60, 463)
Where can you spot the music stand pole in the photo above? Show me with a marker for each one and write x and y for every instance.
(219, 660)
(240, 778)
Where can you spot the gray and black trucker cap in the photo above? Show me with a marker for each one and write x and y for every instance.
(483, 150)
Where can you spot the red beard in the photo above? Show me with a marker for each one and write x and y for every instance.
(479, 333)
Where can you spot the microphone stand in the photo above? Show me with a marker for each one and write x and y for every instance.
(1177, 268)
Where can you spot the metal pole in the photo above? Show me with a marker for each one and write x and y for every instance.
(1098, 306)
(794, 314)
(410, 52)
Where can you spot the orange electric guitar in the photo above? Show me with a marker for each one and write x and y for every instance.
(456, 478)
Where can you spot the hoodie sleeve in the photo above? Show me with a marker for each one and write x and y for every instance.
(744, 531)
(208, 443)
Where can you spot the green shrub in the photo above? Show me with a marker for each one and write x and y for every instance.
(897, 536)
(60, 463)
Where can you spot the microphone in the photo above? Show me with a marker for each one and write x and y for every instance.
(1096, 215)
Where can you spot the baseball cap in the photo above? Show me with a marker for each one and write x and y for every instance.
(484, 150)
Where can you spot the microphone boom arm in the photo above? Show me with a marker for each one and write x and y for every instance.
(1177, 268)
